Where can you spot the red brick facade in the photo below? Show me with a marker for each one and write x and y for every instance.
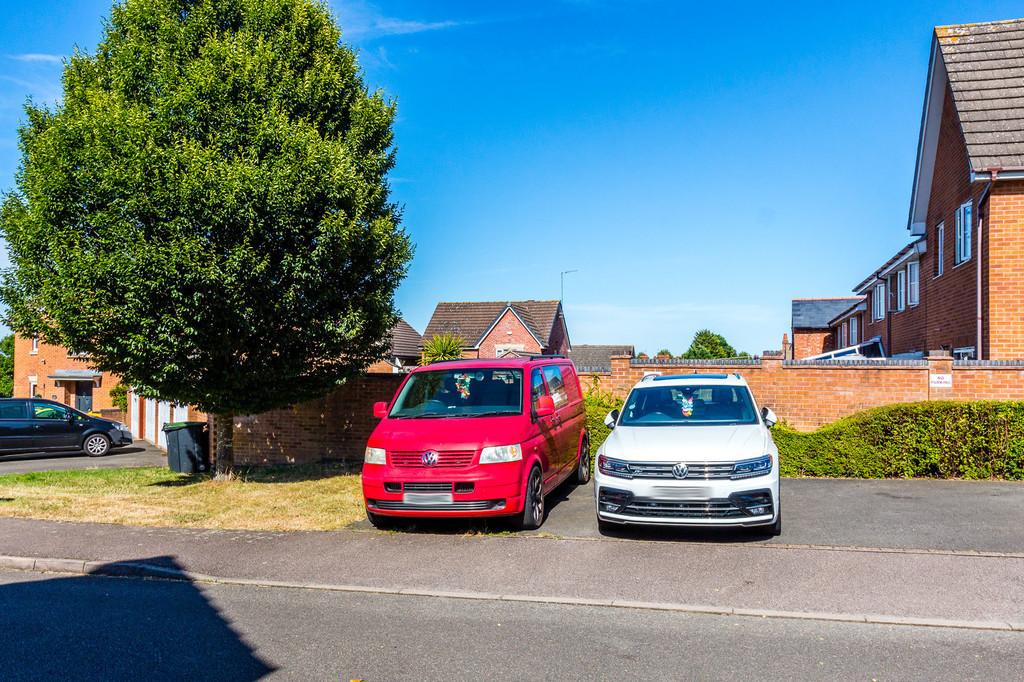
(808, 342)
(36, 365)
(807, 396)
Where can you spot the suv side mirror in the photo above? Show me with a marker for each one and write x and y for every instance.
(611, 418)
(545, 406)
(769, 417)
(380, 410)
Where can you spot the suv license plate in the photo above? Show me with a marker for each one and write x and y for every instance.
(426, 499)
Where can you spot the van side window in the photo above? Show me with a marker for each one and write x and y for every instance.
(48, 411)
(13, 409)
(537, 388)
(572, 384)
(556, 385)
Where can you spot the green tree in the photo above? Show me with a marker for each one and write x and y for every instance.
(707, 345)
(7, 366)
(444, 346)
(207, 212)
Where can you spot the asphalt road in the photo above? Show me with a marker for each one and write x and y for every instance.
(114, 629)
(139, 454)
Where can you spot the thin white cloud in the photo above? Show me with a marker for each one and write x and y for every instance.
(362, 20)
(388, 26)
(38, 58)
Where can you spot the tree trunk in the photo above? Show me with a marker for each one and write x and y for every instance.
(224, 433)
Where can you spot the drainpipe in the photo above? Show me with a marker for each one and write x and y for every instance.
(981, 252)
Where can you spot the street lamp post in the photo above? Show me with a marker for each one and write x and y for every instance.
(563, 274)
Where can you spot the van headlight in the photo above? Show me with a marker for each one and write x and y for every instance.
(749, 468)
(375, 456)
(501, 453)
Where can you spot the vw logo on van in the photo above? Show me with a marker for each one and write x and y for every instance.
(680, 470)
(429, 458)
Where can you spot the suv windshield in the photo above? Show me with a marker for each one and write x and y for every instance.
(461, 393)
(688, 405)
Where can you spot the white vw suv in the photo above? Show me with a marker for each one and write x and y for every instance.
(690, 450)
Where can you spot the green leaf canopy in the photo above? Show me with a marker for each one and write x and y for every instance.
(207, 211)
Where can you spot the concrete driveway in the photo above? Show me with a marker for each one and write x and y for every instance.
(139, 454)
(981, 516)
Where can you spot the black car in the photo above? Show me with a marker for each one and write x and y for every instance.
(37, 425)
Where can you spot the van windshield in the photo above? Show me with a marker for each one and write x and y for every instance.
(460, 393)
(692, 404)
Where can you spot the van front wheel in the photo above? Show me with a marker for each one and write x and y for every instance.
(583, 467)
(533, 502)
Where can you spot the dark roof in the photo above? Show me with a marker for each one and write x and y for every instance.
(816, 313)
(472, 319)
(405, 341)
(985, 67)
(596, 358)
(902, 254)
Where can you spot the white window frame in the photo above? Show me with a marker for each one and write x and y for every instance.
(32, 388)
(940, 249)
(964, 227)
(913, 283)
(901, 291)
(35, 344)
(853, 331)
(878, 302)
(842, 335)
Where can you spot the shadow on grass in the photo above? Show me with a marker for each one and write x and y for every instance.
(288, 473)
(102, 628)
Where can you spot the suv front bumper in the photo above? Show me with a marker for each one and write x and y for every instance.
(690, 502)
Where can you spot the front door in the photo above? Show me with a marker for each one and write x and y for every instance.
(547, 430)
(83, 396)
(563, 416)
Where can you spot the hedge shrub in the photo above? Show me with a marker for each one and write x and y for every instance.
(972, 440)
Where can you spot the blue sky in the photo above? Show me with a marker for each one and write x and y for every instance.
(699, 166)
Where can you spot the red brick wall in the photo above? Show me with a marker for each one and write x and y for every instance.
(558, 344)
(809, 396)
(808, 342)
(508, 330)
(335, 427)
(1003, 250)
(45, 362)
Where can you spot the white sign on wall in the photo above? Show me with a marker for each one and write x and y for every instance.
(940, 380)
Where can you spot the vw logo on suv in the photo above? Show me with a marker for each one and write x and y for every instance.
(429, 458)
(680, 470)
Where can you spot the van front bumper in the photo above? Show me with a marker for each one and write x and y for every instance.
(689, 502)
(480, 490)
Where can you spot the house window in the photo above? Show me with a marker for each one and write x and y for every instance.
(853, 331)
(963, 233)
(964, 353)
(842, 335)
(35, 344)
(878, 302)
(940, 249)
(901, 290)
(914, 283)
(32, 389)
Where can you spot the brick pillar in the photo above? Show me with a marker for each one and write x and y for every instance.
(940, 375)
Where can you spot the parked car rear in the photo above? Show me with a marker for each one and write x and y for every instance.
(37, 425)
(477, 438)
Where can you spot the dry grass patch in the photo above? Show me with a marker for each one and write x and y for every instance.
(317, 497)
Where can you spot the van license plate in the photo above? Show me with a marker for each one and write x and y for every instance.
(427, 499)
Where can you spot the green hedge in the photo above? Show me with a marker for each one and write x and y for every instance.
(973, 440)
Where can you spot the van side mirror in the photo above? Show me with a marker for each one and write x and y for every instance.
(545, 406)
(769, 417)
(380, 410)
(611, 418)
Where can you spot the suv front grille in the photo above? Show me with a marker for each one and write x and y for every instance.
(711, 509)
(695, 470)
(451, 459)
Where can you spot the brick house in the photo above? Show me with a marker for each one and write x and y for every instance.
(812, 318)
(54, 372)
(959, 284)
(404, 353)
(493, 329)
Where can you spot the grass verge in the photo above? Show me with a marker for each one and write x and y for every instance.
(315, 497)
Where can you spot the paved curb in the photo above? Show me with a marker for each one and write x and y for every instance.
(121, 569)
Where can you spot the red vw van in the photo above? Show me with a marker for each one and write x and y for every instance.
(477, 438)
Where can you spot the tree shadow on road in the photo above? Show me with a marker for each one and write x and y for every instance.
(92, 627)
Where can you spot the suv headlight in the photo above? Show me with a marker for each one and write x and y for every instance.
(614, 467)
(501, 453)
(375, 456)
(749, 468)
